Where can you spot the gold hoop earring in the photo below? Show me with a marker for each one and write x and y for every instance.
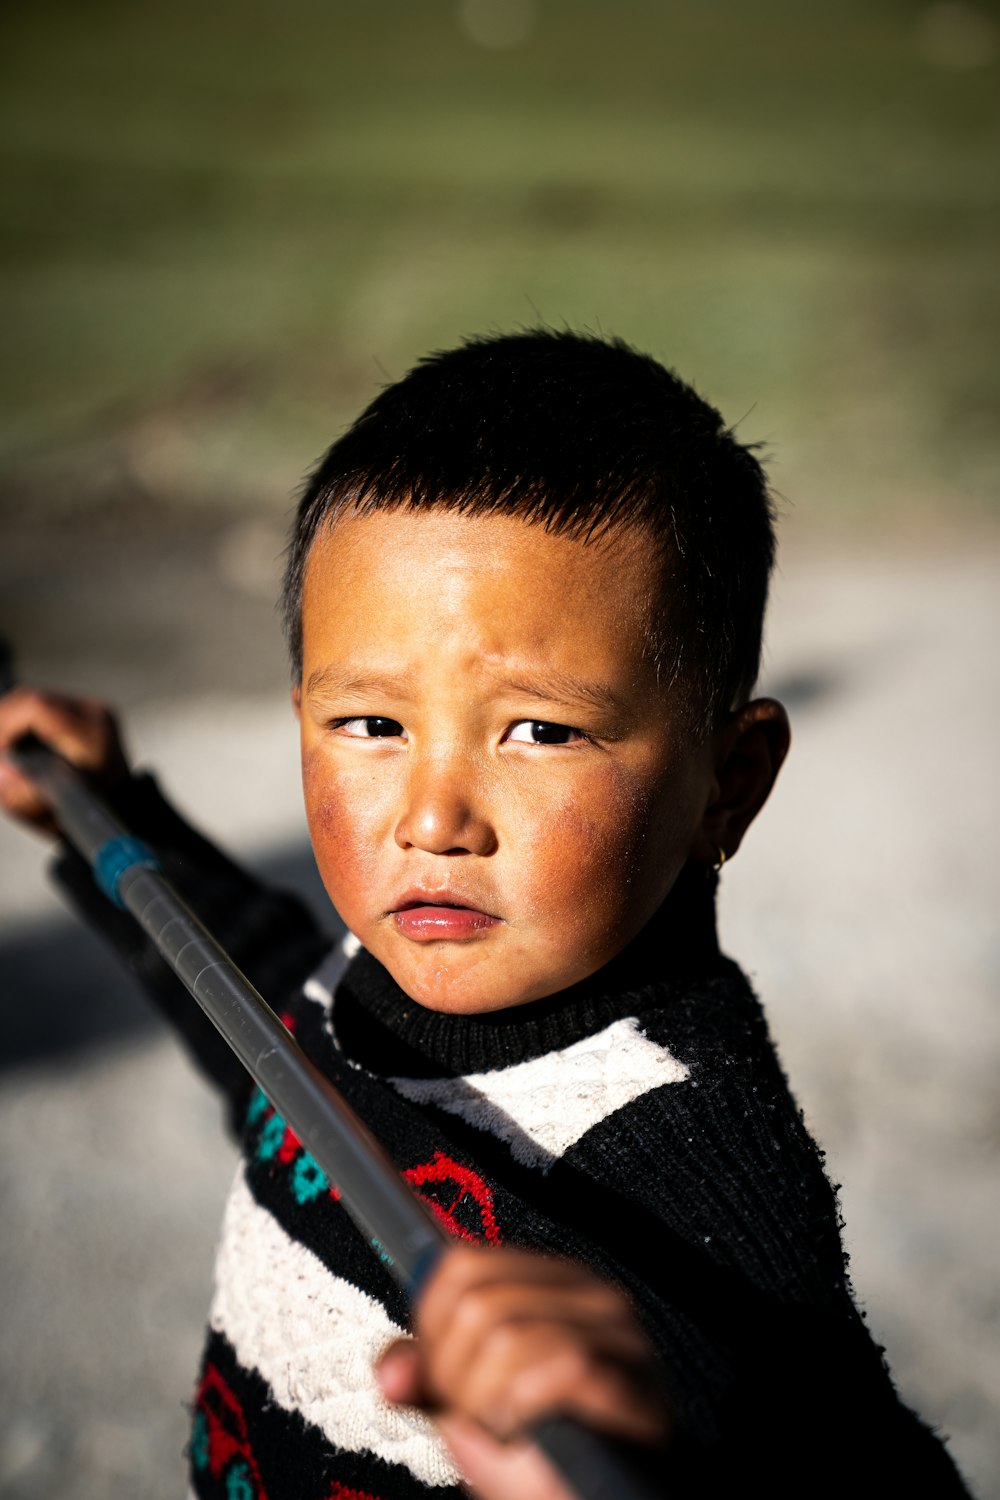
(720, 861)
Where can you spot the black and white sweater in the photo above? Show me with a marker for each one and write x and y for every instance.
(639, 1122)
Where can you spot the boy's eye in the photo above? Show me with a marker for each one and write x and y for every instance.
(371, 728)
(540, 732)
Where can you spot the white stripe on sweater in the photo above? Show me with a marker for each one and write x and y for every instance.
(321, 985)
(314, 1337)
(542, 1106)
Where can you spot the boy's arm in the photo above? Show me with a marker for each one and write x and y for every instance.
(270, 935)
(507, 1337)
(710, 1199)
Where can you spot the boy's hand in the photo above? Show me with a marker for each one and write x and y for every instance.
(82, 729)
(508, 1337)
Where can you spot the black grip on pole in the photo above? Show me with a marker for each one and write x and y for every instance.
(387, 1212)
(7, 677)
(596, 1467)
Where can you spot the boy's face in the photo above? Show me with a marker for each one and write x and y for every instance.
(499, 793)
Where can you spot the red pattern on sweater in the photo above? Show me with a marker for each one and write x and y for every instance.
(227, 1428)
(445, 1185)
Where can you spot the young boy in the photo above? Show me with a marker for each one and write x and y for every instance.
(524, 598)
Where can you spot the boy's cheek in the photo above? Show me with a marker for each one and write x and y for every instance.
(602, 827)
(576, 863)
(598, 857)
(342, 821)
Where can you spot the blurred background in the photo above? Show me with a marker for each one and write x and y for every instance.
(224, 226)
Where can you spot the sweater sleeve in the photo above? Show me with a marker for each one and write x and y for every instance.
(802, 1398)
(270, 935)
(713, 1200)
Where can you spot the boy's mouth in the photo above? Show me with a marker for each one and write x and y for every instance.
(426, 919)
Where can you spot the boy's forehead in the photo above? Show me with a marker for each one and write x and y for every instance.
(393, 597)
(509, 553)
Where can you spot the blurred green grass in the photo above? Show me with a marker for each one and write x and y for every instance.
(224, 225)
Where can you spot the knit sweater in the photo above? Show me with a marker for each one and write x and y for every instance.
(639, 1122)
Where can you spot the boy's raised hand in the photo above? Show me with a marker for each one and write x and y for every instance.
(83, 730)
(508, 1337)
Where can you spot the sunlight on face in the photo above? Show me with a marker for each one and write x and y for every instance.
(499, 794)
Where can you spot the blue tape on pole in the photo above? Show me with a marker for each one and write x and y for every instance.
(115, 857)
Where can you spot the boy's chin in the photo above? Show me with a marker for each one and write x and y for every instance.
(453, 997)
(467, 983)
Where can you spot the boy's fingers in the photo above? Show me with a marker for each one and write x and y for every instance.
(523, 1373)
(508, 1337)
(522, 1376)
(82, 730)
(467, 1280)
(476, 1293)
(399, 1371)
(20, 798)
(465, 1266)
(501, 1471)
(592, 1315)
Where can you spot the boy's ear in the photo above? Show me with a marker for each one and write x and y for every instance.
(751, 747)
(297, 699)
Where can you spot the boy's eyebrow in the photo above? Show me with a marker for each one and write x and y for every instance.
(562, 687)
(333, 680)
(552, 684)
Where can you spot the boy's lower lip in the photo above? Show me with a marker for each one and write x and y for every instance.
(427, 924)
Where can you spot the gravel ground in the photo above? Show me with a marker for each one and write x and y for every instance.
(863, 905)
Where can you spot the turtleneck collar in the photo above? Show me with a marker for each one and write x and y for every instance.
(380, 1028)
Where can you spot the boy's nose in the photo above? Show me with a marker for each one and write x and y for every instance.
(444, 814)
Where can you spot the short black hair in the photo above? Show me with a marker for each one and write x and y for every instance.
(577, 434)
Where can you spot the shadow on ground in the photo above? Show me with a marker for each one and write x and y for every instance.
(63, 991)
